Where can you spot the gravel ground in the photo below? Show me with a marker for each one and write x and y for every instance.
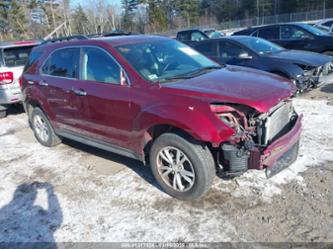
(77, 193)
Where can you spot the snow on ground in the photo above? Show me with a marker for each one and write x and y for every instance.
(74, 202)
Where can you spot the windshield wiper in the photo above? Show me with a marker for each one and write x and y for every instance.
(190, 74)
(202, 70)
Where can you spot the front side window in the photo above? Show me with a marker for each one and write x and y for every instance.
(63, 63)
(294, 33)
(269, 33)
(229, 50)
(159, 61)
(99, 66)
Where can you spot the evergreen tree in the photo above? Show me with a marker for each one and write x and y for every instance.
(79, 20)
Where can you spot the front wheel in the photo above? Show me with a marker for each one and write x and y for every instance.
(184, 168)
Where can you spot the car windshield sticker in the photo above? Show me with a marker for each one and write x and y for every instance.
(152, 77)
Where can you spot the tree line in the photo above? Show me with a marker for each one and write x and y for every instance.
(25, 19)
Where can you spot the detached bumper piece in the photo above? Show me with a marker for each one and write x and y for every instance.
(284, 161)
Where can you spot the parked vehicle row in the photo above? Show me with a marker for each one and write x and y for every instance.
(305, 69)
(245, 48)
(158, 100)
(298, 36)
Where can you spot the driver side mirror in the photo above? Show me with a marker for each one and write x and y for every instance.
(245, 56)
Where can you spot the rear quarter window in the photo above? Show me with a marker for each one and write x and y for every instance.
(16, 56)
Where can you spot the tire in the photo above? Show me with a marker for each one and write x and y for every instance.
(43, 130)
(3, 114)
(197, 159)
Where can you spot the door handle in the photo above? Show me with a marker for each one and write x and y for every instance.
(79, 92)
(31, 82)
(43, 83)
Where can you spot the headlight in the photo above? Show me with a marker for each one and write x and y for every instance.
(227, 115)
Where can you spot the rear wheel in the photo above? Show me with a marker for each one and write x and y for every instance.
(184, 168)
(43, 130)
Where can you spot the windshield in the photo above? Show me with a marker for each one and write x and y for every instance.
(159, 61)
(314, 30)
(259, 45)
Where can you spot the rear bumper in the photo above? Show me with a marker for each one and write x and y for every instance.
(7, 96)
(280, 147)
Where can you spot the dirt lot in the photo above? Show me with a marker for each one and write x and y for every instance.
(76, 193)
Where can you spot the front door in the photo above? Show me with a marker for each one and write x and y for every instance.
(102, 102)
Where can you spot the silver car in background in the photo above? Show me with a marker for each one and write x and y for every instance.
(13, 58)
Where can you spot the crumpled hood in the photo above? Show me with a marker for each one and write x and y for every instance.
(238, 85)
(302, 57)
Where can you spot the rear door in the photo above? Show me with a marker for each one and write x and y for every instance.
(58, 73)
(13, 62)
(102, 102)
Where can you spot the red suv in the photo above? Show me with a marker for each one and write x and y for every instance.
(159, 101)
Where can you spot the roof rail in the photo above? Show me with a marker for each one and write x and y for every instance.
(109, 34)
(65, 38)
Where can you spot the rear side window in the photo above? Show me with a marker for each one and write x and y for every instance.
(98, 65)
(63, 63)
(16, 56)
(269, 33)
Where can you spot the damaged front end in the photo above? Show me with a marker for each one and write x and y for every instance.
(320, 75)
(261, 140)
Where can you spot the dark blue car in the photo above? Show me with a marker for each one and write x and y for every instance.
(305, 69)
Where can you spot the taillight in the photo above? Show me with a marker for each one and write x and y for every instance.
(6, 78)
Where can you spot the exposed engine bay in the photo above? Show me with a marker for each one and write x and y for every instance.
(254, 132)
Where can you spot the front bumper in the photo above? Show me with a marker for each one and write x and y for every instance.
(276, 151)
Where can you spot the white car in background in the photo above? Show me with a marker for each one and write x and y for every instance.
(326, 25)
(13, 58)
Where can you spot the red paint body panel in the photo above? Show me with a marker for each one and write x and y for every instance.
(280, 146)
(122, 115)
